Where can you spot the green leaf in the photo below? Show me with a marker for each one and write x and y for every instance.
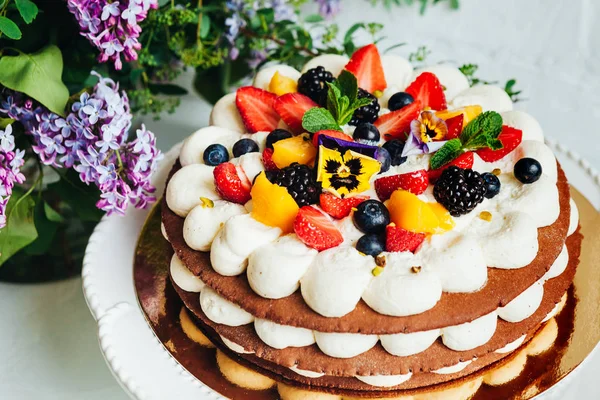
(163, 2)
(77, 195)
(314, 18)
(20, 228)
(38, 75)
(333, 101)
(476, 133)
(167, 88)
(9, 28)
(46, 230)
(51, 214)
(317, 119)
(348, 85)
(205, 26)
(27, 9)
(452, 149)
(4, 122)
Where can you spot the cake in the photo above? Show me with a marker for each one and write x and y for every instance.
(364, 229)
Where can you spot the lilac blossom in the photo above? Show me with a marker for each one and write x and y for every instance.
(93, 140)
(11, 161)
(112, 26)
(328, 8)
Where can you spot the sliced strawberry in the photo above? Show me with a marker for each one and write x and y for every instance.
(231, 183)
(256, 108)
(415, 182)
(366, 65)
(337, 207)
(398, 239)
(455, 126)
(465, 161)
(511, 138)
(267, 159)
(428, 89)
(396, 124)
(316, 229)
(331, 133)
(291, 108)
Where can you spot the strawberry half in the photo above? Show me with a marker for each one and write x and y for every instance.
(291, 108)
(510, 137)
(330, 133)
(366, 65)
(316, 229)
(464, 161)
(267, 159)
(231, 183)
(429, 91)
(256, 108)
(396, 124)
(337, 207)
(415, 182)
(455, 126)
(398, 239)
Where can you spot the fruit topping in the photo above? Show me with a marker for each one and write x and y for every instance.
(273, 205)
(384, 158)
(244, 146)
(367, 133)
(469, 113)
(345, 172)
(300, 183)
(511, 138)
(409, 212)
(486, 216)
(455, 126)
(275, 136)
(371, 216)
(415, 182)
(367, 113)
(528, 170)
(205, 202)
(400, 100)
(371, 244)
(459, 190)
(492, 185)
(313, 83)
(396, 124)
(281, 84)
(366, 65)
(296, 149)
(464, 161)
(316, 229)
(337, 207)
(398, 239)
(395, 147)
(215, 154)
(291, 108)
(332, 134)
(256, 108)
(428, 90)
(231, 183)
(267, 159)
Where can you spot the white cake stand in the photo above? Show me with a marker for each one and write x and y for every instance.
(138, 360)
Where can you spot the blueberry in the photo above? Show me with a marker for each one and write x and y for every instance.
(395, 147)
(244, 146)
(492, 185)
(276, 136)
(400, 100)
(215, 154)
(528, 170)
(384, 158)
(371, 216)
(371, 244)
(366, 133)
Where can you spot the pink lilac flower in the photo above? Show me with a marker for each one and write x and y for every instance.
(112, 26)
(11, 161)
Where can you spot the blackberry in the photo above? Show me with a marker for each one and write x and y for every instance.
(368, 113)
(300, 182)
(459, 190)
(313, 83)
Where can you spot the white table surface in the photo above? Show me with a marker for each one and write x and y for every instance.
(48, 338)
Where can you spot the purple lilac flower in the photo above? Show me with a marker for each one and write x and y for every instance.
(11, 161)
(328, 8)
(112, 26)
(92, 140)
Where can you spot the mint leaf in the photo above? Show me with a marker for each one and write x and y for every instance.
(358, 103)
(348, 85)
(452, 149)
(333, 101)
(483, 129)
(317, 119)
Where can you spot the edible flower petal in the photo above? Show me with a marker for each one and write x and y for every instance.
(345, 174)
